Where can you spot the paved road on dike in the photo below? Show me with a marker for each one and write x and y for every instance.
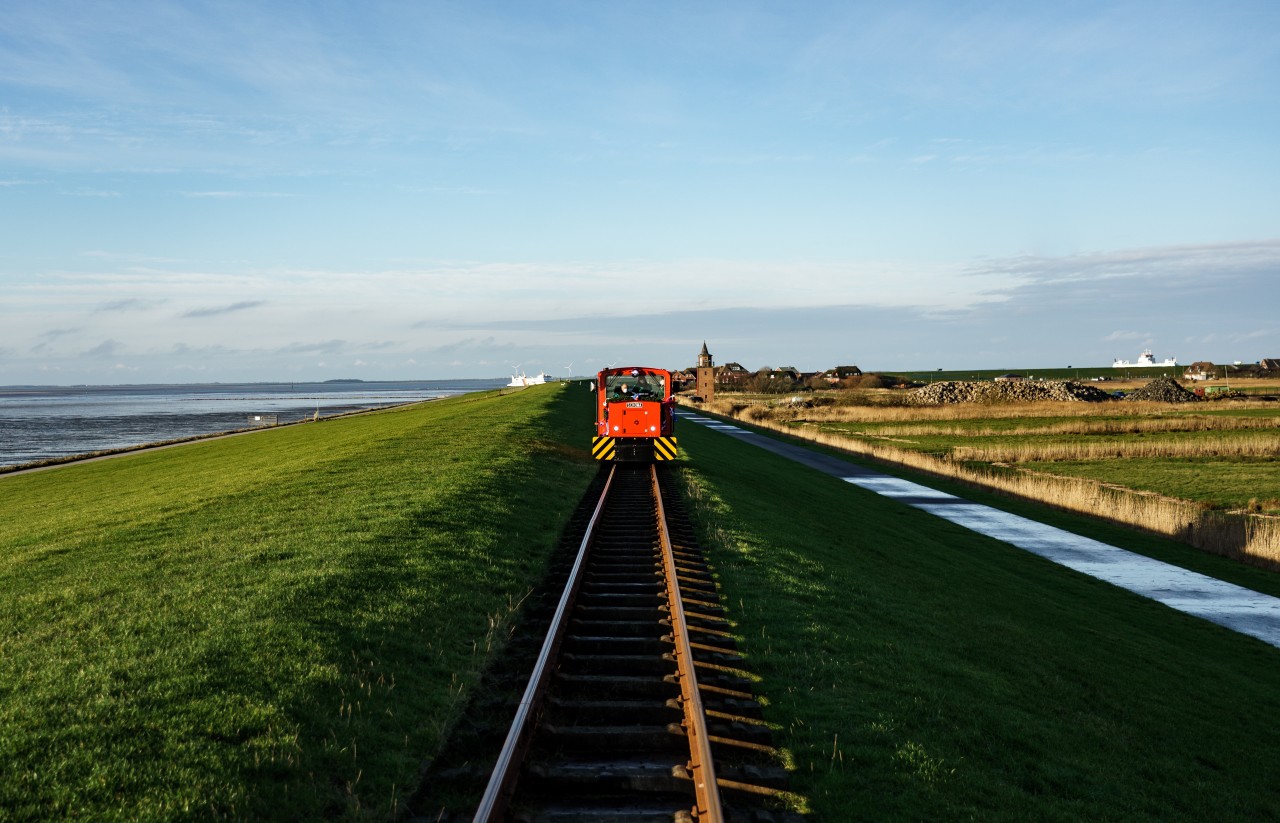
(1226, 604)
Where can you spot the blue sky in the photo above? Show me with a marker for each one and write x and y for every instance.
(285, 191)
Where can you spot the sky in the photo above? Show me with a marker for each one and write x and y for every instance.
(270, 191)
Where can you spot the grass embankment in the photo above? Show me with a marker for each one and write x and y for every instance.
(919, 671)
(277, 625)
(1187, 471)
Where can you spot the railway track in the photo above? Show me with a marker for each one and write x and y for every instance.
(638, 706)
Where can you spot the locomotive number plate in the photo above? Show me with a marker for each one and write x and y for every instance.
(635, 405)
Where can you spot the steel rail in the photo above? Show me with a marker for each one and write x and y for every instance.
(701, 767)
(501, 786)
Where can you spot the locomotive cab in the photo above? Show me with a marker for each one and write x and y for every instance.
(635, 415)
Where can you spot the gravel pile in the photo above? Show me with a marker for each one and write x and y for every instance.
(1163, 390)
(961, 391)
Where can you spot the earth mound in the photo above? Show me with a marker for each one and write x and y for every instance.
(1163, 390)
(1013, 391)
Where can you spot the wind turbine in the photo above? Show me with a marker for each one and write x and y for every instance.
(568, 372)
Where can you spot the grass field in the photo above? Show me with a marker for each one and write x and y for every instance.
(918, 671)
(1205, 473)
(285, 624)
(277, 625)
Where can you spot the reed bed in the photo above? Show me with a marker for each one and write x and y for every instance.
(1248, 538)
(1125, 410)
(1135, 425)
(1256, 445)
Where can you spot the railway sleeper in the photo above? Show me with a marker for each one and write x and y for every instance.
(652, 774)
(657, 737)
(622, 583)
(653, 810)
(654, 664)
(751, 778)
(582, 645)
(599, 626)
(620, 588)
(606, 600)
(720, 680)
(615, 686)
(740, 735)
(649, 612)
(590, 710)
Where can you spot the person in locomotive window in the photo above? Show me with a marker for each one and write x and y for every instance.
(651, 386)
(637, 387)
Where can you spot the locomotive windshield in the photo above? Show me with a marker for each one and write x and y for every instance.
(635, 387)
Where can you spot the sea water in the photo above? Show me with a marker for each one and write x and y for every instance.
(44, 422)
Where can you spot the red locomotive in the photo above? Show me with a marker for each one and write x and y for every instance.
(635, 415)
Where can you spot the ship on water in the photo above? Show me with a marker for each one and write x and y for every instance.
(1145, 360)
(520, 380)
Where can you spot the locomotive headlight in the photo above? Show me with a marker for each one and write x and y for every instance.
(615, 428)
(653, 428)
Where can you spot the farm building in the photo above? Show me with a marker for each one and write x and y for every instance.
(1200, 370)
(839, 373)
(731, 373)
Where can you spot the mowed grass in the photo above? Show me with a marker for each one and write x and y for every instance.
(919, 671)
(278, 625)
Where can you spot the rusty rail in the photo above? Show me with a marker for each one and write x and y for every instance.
(606, 566)
(497, 794)
(701, 766)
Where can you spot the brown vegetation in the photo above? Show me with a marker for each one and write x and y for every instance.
(1256, 445)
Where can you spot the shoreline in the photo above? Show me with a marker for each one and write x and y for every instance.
(106, 454)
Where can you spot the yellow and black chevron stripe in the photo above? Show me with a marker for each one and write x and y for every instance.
(603, 448)
(606, 448)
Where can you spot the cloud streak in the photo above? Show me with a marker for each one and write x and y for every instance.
(217, 311)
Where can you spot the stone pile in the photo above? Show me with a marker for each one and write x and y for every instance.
(1013, 391)
(1163, 390)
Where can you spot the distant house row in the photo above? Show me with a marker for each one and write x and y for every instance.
(1204, 370)
(733, 373)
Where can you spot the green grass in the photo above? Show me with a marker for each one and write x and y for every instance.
(1226, 484)
(279, 625)
(919, 671)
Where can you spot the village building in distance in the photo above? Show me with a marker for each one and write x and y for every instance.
(702, 379)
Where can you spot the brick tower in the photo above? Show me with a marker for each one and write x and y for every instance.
(706, 375)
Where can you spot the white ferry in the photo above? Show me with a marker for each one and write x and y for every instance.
(1145, 360)
(519, 381)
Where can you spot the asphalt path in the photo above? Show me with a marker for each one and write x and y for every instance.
(1235, 607)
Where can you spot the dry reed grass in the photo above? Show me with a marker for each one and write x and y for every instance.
(1257, 445)
(915, 415)
(1134, 425)
(1249, 538)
